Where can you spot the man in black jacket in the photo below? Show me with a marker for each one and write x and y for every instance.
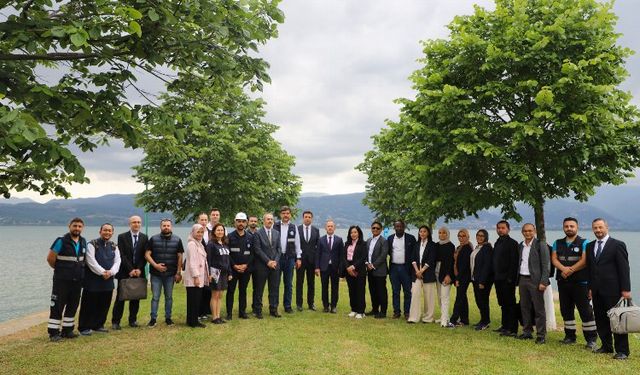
(505, 272)
(132, 245)
(242, 245)
(401, 246)
(309, 236)
(609, 280)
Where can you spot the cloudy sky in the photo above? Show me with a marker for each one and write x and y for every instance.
(336, 68)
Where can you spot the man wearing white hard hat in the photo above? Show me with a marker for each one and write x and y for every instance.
(241, 245)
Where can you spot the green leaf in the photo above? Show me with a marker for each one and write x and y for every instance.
(153, 15)
(134, 28)
(78, 39)
(544, 97)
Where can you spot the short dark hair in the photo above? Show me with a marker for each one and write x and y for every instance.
(109, 224)
(165, 220)
(250, 216)
(570, 219)
(598, 219)
(214, 209)
(285, 208)
(307, 212)
(399, 221)
(76, 220)
(504, 222)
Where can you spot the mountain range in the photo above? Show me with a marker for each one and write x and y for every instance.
(618, 204)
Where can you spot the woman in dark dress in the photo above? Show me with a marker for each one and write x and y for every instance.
(220, 272)
(462, 276)
(480, 262)
(353, 260)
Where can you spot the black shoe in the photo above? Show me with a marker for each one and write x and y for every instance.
(275, 314)
(406, 316)
(229, 317)
(217, 321)
(334, 310)
(499, 329)
(169, 321)
(243, 316)
(568, 341)
(326, 309)
(372, 313)
(525, 336)
(152, 323)
(101, 330)
(55, 338)
(200, 325)
(396, 315)
(591, 345)
(481, 327)
(312, 307)
(380, 316)
(602, 349)
(134, 324)
(620, 356)
(288, 310)
(258, 315)
(508, 334)
(299, 308)
(540, 340)
(116, 327)
(69, 335)
(408, 321)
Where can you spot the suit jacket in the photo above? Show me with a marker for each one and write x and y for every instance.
(309, 248)
(267, 251)
(324, 253)
(378, 257)
(360, 254)
(445, 257)
(429, 258)
(409, 246)
(483, 265)
(609, 274)
(505, 259)
(463, 263)
(538, 262)
(128, 264)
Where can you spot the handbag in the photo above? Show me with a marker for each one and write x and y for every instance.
(624, 317)
(134, 288)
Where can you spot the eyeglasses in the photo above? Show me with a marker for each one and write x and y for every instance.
(376, 228)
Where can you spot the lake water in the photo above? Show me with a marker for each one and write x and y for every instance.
(26, 276)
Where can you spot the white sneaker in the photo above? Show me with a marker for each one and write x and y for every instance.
(359, 316)
(352, 314)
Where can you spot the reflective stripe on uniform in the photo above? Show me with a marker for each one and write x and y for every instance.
(54, 323)
(589, 326)
(570, 324)
(70, 259)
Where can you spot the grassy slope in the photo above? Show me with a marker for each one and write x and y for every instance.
(307, 342)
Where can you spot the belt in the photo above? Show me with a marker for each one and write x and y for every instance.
(526, 276)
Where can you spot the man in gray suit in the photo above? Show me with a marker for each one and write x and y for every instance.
(377, 271)
(266, 270)
(533, 279)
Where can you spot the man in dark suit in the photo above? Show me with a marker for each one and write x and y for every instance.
(377, 271)
(266, 267)
(132, 245)
(327, 265)
(505, 273)
(533, 279)
(401, 247)
(609, 279)
(290, 258)
(309, 235)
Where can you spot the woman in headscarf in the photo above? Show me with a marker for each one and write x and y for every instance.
(481, 263)
(423, 276)
(196, 274)
(444, 273)
(462, 274)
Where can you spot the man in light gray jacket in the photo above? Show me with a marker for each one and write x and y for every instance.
(377, 271)
(533, 279)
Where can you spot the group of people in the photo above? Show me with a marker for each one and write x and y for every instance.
(592, 276)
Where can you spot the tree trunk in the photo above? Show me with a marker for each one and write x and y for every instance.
(538, 211)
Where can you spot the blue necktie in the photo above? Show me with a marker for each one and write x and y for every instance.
(135, 244)
(599, 250)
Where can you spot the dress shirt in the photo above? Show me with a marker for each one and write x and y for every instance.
(524, 264)
(372, 245)
(397, 255)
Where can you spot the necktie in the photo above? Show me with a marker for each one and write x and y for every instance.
(269, 235)
(306, 236)
(329, 239)
(599, 250)
(135, 244)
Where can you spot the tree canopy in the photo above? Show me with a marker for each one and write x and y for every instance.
(519, 104)
(222, 155)
(66, 67)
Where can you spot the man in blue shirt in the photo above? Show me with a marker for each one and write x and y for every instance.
(66, 257)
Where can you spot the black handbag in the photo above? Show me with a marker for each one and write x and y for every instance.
(134, 288)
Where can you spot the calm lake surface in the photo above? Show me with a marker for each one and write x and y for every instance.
(26, 276)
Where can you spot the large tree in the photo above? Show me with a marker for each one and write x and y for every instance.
(519, 104)
(66, 66)
(222, 155)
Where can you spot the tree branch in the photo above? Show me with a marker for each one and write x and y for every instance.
(25, 8)
(57, 56)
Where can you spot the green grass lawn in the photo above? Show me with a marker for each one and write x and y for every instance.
(303, 343)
